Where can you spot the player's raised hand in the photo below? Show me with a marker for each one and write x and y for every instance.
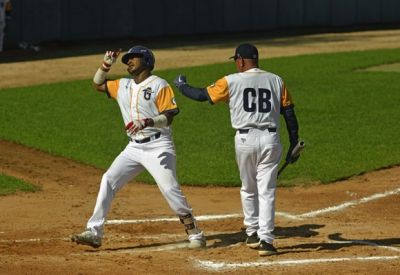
(180, 80)
(110, 58)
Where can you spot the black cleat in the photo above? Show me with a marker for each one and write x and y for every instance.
(266, 249)
(253, 241)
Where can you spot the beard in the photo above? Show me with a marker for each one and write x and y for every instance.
(134, 71)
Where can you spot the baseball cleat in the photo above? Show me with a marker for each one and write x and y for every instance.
(193, 244)
(266, 249)
(87, 237)
(253, 241)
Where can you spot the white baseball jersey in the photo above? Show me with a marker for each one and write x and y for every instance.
(254, 96)
(147, 99)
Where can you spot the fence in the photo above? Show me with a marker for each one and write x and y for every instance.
(67, 20)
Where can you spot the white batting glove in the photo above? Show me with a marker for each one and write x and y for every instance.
(110, 58)
(136, 125)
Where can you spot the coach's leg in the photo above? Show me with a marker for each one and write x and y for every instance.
(246, 159)
(266, 178)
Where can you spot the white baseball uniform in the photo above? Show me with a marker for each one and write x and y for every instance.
(255, 98)
(151, 149)
(3, 5)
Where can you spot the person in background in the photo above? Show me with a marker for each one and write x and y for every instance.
(5, 10)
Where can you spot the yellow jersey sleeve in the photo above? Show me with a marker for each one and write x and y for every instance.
(112, 87)
(219, 92)
(286, 99)
(166, 99)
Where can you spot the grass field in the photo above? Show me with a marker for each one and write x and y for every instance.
(10, 185)
(347, 118)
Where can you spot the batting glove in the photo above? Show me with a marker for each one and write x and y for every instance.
(136, 125)
(110, 58)
(179, 81)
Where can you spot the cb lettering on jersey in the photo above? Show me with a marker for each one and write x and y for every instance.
(260, 100)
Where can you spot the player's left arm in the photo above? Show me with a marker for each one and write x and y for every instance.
(287, 110)
(167, 107)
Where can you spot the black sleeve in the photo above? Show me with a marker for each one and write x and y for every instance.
(198, 94)
(291, 123)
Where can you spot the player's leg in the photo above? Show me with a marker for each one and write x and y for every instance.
(270, 155)
(246, 158)
(123, 168)
(161, 164)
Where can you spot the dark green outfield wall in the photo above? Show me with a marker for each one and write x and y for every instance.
(37, 21)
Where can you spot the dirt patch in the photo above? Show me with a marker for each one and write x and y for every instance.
(395, 67)
(346, 227)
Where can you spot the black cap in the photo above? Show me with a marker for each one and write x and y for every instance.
(247, 51)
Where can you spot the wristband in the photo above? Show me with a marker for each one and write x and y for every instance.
(106, 67)
(160, 121)
(100, 77)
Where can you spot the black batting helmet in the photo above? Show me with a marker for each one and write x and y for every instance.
(145, 53)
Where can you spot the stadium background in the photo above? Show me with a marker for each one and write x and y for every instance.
(70, 20)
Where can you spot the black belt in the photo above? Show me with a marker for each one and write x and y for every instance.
(245, 131)
(145, 140)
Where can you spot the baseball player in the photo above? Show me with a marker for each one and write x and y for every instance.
(255, 98)
(5, 7)
(147, 106)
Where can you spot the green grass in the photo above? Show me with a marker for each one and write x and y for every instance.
(347, 118)
(10, 185)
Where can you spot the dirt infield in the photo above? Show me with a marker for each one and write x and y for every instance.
(349, 227)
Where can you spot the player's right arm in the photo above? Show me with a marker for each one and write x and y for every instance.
(100, 77)
(218, 92)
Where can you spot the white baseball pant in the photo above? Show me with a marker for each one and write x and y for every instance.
(258, 153)
(159, 159)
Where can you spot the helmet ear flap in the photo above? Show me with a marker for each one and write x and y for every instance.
(146, 60)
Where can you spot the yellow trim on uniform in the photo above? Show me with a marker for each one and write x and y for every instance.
(286, 99)
(112, 87)
(165, 99)
(219, 91)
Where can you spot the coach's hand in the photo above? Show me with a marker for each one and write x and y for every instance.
(180, 81)
(290, 158)
(110, 58)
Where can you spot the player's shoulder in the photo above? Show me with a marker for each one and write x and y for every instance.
(270, 75)
(123, 82)
(158, 82)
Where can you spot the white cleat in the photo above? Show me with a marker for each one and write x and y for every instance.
(87, 237)
(194, 244)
